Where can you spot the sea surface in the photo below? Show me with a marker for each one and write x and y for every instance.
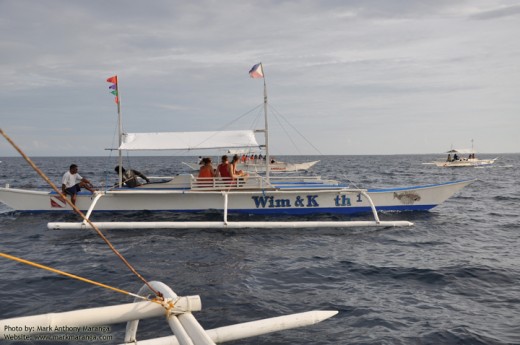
(452, 278)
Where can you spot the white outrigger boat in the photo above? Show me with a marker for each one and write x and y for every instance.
(465, 162)
(455, 159)
(259, 195)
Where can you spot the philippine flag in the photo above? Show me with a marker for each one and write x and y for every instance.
(257, 71)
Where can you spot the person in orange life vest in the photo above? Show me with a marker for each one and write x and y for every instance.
(206, 171)
(223, 169)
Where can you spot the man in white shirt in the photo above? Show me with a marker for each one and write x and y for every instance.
(72, 182)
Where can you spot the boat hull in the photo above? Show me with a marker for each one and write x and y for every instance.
(466, 163)
(294, 201)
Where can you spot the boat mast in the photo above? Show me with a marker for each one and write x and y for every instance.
(115, 92)
(266, 130)
(120, 130)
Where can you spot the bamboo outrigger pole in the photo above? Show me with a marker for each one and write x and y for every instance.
(77, 210)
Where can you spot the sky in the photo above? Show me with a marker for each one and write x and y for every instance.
(344, 77)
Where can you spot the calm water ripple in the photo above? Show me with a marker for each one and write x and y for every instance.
(450, 279)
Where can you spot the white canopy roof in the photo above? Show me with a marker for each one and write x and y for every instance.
(462, 151)
(243, 151)
(188, 140)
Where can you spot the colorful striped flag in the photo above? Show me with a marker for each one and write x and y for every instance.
(113, 87)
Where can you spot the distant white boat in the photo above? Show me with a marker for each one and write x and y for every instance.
(459, 158)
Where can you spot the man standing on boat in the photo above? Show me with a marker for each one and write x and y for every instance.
(72, 182)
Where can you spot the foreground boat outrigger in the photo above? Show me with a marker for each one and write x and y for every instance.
(89, 325)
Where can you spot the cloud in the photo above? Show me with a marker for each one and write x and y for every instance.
(498, 13)
(362, 66)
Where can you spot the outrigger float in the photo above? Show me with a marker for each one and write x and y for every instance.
(257, 194)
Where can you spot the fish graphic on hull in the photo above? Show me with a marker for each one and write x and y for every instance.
(407, 198)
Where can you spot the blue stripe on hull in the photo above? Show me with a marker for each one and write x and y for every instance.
(275, 211)
(333, 210)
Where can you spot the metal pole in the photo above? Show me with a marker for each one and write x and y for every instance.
(266, 133)
(120, 130)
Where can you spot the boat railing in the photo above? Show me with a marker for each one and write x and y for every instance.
(258, 181)
(189, 181)
(251, 181)
(219, 183)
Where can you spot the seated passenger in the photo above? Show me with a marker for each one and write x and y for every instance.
(72, 182)
(234, 173)
(206, 172)
(223, 169)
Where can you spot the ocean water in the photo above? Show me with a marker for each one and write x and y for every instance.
(452, 278)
